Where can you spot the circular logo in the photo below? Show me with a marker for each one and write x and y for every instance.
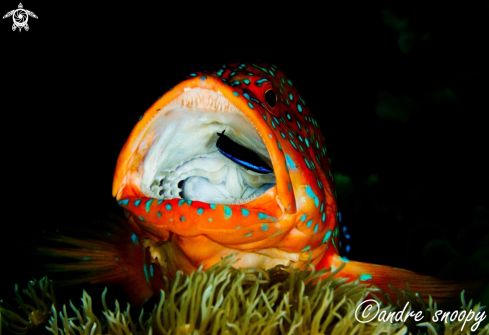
(20, 17)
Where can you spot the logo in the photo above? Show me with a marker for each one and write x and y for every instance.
(20, 17)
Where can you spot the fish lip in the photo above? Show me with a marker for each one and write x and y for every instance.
(256, 115)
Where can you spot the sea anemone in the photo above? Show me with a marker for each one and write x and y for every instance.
(225, 300)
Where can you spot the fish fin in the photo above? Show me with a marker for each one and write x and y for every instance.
(390, 279)
(107, 252)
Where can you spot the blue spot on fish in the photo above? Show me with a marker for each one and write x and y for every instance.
(293, 144)
(365, 277)
(236, 94)
(227, 212)
(311, 194)
(264, 227)
(303, 218)
(200, 211)
(151, 270)
(245, 212)
(134, 238)
(168, 207)
(261, 68)
(309, 223)
(212, 206)
(137, 202)
(124, 202)
(148, 205)
(306, 248)
(250, 104)
(327, 236)
(290, 162)
(146, 272)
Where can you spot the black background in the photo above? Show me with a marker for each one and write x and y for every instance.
(400, 90)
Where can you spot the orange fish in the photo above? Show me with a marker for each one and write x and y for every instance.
(231, 162)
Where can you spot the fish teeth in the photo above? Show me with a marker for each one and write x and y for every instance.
(198, 98)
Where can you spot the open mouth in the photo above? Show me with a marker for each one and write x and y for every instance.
(201, 147)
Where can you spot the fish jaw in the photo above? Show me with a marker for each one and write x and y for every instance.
(281, 226)
(126, 183)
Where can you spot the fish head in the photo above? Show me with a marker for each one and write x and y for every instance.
(229, 161)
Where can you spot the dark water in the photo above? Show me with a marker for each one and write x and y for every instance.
(400, 91)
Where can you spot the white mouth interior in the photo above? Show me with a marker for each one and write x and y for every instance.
(183, 161)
